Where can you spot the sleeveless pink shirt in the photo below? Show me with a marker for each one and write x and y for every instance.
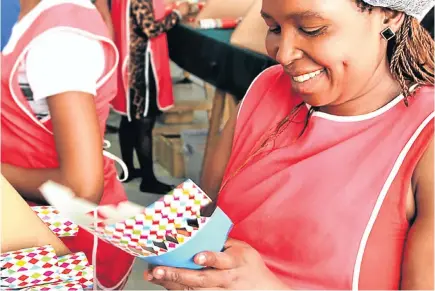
(326, 210)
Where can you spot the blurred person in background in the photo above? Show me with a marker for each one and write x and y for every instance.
(146, 90)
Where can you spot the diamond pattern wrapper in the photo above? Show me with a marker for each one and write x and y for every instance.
(140, 231)
(40, 269)
(157, 230)
(53, 219)
(75, 268)
(29, 267)
(64, 286)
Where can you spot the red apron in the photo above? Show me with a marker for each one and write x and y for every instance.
(325, 210)
(26, 142)
(157, 50)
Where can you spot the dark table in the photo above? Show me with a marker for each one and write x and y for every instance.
(208, 54)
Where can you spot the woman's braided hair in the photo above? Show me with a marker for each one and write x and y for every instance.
(410, 53)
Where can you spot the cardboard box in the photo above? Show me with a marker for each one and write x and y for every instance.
(169, 154)
(183, 111)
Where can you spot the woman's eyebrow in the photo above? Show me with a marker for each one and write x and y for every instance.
(265, 15)
(297, 15)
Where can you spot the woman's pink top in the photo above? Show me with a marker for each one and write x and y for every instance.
(326, 210)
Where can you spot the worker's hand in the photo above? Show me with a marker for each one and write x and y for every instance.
(184, 8)
(239, 266)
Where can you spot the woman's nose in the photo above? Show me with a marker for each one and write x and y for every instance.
(288, 51)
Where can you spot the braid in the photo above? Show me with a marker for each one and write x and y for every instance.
(410, 54)
(411, 60)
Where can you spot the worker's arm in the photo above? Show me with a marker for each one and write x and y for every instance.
(20, 227)
(103, 8)
(215, 165)
(79, 148)
(418, 263)
(63, 70)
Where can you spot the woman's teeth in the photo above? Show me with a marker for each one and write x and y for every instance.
(306, 77)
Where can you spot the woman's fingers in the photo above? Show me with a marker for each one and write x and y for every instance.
(221, 261)
(192, 278)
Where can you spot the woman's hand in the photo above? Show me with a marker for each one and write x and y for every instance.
(239, 266)
(183, 8)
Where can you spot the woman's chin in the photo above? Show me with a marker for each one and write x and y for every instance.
(315, 100)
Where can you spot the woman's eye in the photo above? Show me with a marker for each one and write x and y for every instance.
(275, 29)
(313, 32)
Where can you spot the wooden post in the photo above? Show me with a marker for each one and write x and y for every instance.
(215, 123)
(229, 110)
(208, 92)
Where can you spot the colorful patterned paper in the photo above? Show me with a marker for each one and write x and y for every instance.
(184, 202)
(140, 239)
(76, 268)
(64, 286)
(142, 232)
(157, 230)
(58, 224)
(40, 269)
(29, 267)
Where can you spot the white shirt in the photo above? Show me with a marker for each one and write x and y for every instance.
(57, 62)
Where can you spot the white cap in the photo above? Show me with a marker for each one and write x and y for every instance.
(414, 8)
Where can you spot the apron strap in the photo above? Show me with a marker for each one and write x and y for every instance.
(107, 145)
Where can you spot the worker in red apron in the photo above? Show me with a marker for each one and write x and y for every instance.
(146, 90)
(58, 78)
(327, 171)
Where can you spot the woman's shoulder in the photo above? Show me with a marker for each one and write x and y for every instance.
(62, 61)
(425, 90)
(271, 88)
(424, 96)
(270, 79)
(270, 74)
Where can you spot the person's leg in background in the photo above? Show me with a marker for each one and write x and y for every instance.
(127, 140)
(144, 150)
(144, 141)
(137, 135)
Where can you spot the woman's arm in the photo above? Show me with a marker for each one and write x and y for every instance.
(418, 263)
(143, 12)
(63, 68)
(214, 167)
(103, 8)
(79, 148)
(20, 227)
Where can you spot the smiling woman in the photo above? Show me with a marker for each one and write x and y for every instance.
(327, 172)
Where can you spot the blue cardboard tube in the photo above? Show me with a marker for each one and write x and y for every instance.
(211, 237)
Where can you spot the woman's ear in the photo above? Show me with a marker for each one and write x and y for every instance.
(393, 19)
